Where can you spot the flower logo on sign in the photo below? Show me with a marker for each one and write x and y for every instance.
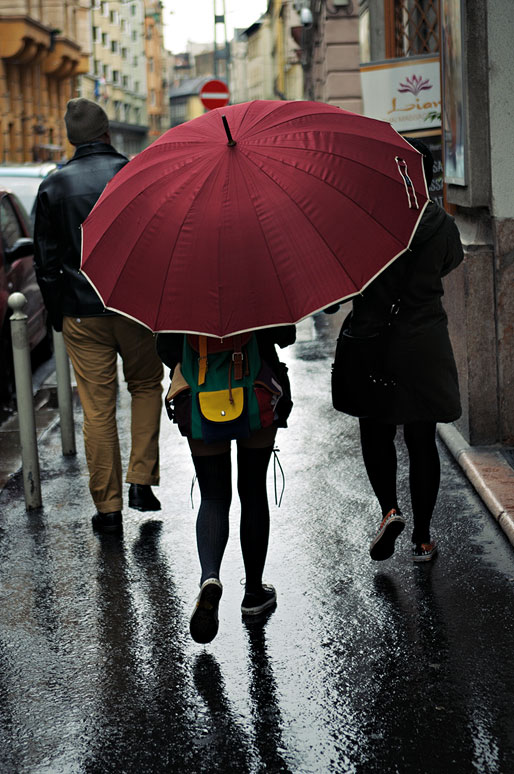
(415, 84)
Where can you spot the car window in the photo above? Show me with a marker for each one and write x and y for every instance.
(25, 188)
(10, 227)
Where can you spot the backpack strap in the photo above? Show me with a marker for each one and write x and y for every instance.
(202, 359)
(237, 357)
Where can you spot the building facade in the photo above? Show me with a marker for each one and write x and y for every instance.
(472, 43)
(157, 76)
(259, 69)
(43, 51)
(117, 77)
(285, 50)
(330, 52)
(108, 51)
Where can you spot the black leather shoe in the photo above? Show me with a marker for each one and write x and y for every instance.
(141, 498)
(108, 522)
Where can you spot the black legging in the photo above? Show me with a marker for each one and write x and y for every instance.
(379, 453)
(212, 525)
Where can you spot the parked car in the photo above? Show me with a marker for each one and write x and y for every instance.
(17, 274)
(24, 180)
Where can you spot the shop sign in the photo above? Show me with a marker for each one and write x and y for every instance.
(404, 92)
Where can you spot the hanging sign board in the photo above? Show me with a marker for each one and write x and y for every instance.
(404, 92)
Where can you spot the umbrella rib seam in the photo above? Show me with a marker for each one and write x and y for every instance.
(325, 182)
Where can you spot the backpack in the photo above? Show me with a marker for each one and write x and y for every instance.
(223, 389)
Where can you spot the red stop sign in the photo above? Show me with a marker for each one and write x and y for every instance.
(214, 94)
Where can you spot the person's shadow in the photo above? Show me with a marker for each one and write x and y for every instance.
(418, 616)
(265, 704)
(142, 720)
(412, 652)
(227, 744)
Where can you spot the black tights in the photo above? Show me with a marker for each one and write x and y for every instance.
(212, 525)
(379, 453)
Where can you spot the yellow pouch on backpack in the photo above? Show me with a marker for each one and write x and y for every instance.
(216, 406)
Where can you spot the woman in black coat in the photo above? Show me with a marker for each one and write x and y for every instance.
(421, 359)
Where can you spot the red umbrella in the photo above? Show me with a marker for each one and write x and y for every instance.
(208, 234)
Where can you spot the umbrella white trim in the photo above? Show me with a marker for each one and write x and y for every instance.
(341, 300)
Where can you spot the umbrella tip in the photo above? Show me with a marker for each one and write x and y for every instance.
(231, 141)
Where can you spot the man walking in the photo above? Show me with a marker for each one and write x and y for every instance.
(93, 335)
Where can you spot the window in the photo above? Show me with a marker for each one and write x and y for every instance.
(115, 76)
(413, 27)
(104, 8)
(134, 34)
(123, 53)
(114, 17)
(125, 81)
(114, 46)
(9, 224)
(105, 39)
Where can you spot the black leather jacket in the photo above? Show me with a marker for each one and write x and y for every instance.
(64, 201)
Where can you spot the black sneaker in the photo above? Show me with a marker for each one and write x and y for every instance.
(204, 621)
(255, 603)
(382, 545)
(108, 522)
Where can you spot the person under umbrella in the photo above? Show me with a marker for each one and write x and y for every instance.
(212, 462)
(421, 359)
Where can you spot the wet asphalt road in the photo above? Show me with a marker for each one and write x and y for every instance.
(363, 667)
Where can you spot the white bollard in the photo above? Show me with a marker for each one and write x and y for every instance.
(25, 401)
(64, 395)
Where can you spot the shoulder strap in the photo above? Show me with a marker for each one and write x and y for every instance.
(202, 359)
(237, 357)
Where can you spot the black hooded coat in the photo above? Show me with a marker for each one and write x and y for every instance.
(419, 352)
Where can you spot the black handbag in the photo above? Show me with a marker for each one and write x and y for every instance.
(361, 381)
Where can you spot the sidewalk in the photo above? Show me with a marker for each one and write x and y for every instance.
(486, 467)
(489, 472)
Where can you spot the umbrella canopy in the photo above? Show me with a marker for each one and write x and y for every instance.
(283, 209)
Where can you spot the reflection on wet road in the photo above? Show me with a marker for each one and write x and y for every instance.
(363, 667)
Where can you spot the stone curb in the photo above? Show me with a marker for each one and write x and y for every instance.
(489, 473)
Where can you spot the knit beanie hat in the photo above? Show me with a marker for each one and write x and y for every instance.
(85, 121)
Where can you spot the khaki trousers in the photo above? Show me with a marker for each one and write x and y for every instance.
(93, 344)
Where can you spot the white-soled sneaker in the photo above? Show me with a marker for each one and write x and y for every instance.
(382, 545)
(255, 603)
(424, 552)
(203, 625)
